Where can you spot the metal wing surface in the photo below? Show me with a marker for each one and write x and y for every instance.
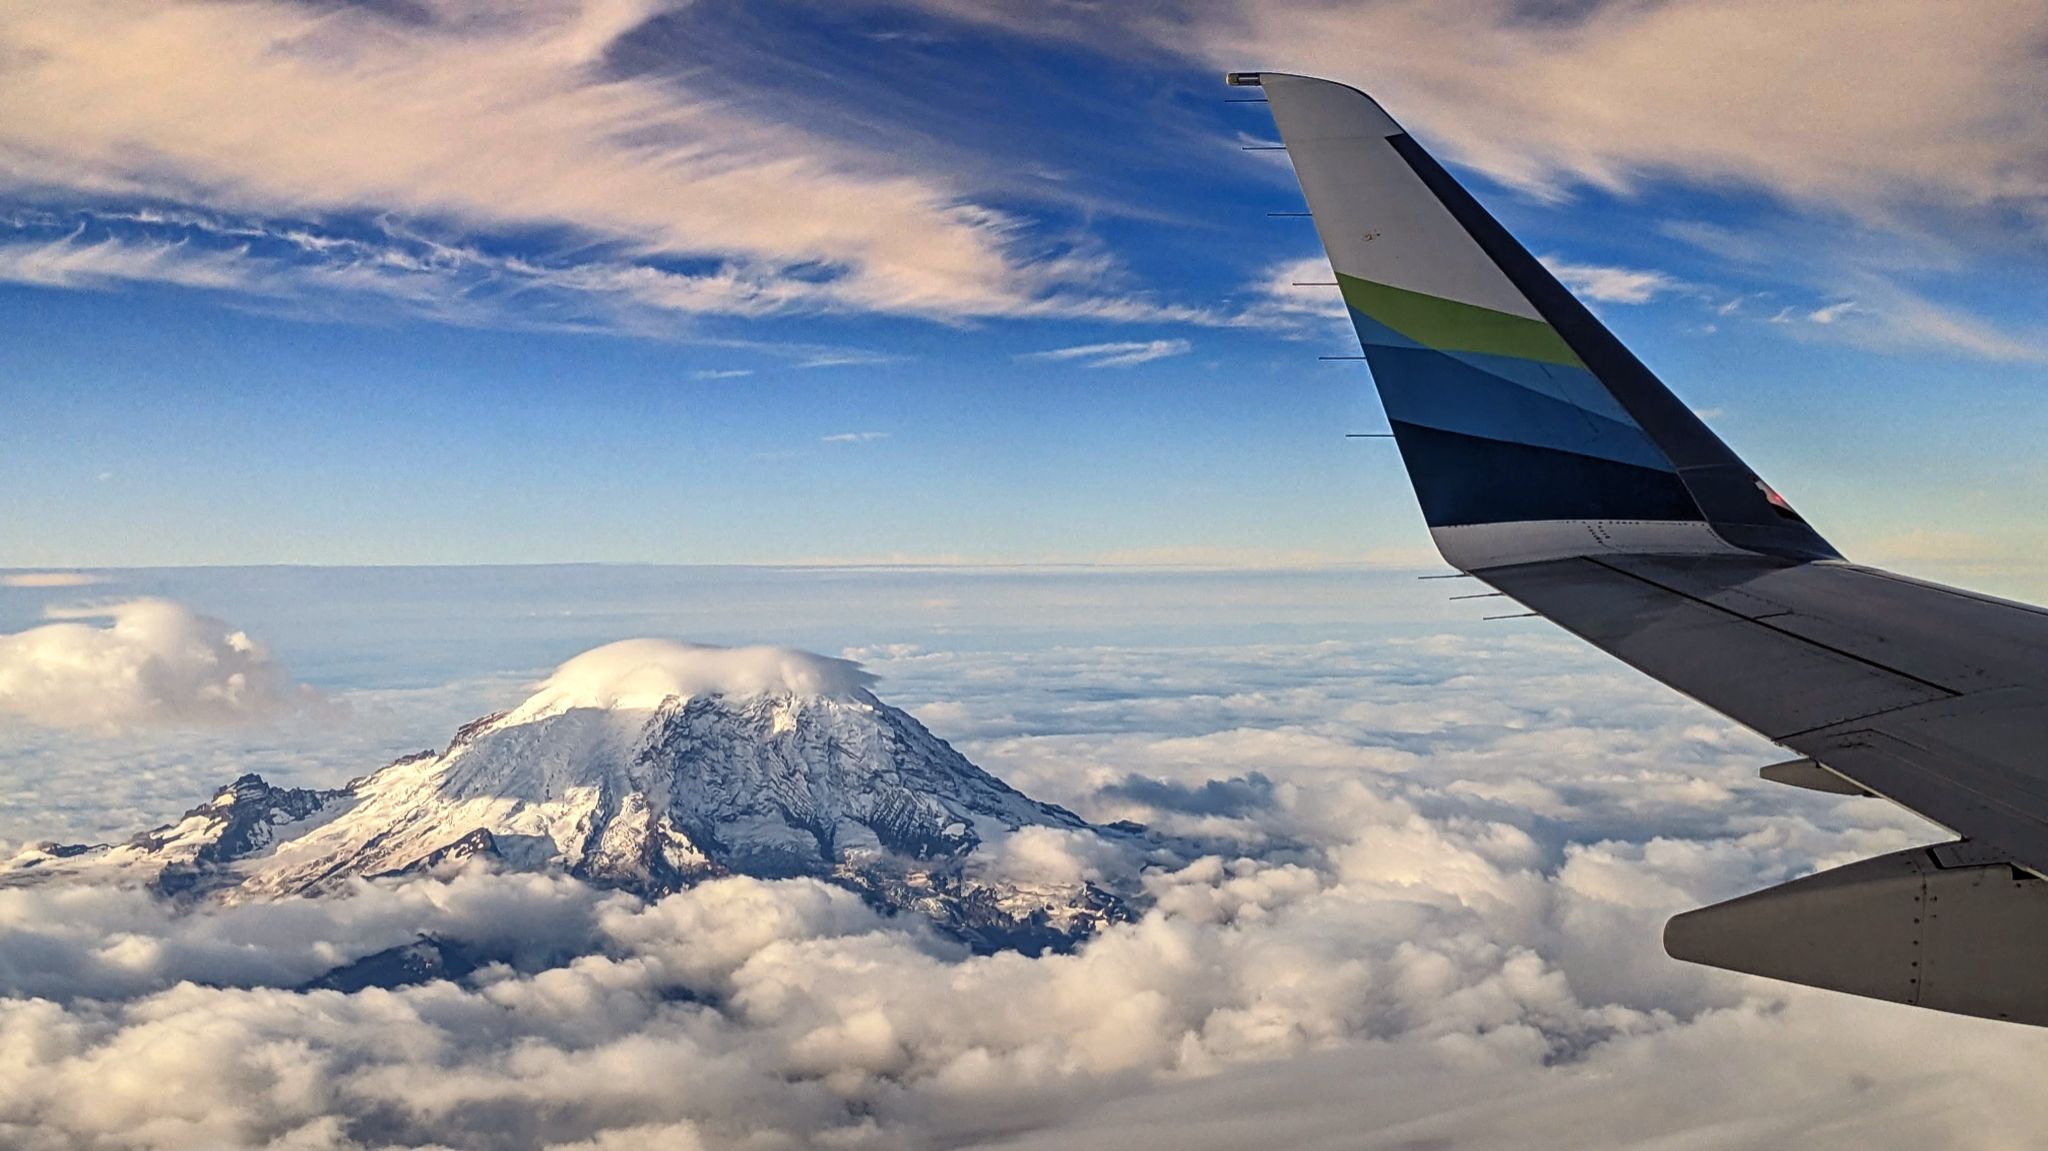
(1552, 465)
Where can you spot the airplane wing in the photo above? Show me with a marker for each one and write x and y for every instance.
(1555, 467)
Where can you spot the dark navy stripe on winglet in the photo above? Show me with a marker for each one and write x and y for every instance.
(1463, 479)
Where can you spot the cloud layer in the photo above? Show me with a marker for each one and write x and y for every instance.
(1431, 921)
(153, 663)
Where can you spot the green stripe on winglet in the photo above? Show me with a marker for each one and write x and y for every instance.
(1449, 326)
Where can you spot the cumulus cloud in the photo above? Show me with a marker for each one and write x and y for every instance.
(75, 943)
(154, 662)
(1057, 857)
(795, 1014)
(1117, 354)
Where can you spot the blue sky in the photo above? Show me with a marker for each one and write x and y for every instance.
(945, 286)
(717, 283)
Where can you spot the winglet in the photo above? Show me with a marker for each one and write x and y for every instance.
(1528, 430)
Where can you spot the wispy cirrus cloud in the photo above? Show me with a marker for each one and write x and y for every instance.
(353, 278)
(298, 269)
(1297, 298)
(1919, 105)
(1609, 284)
(487, 122)
(1909, 319)
(853, 437)
(1879, 291)
(1114, 354)
(1929, 125)
(49, 579)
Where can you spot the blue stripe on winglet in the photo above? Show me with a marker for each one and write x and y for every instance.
(1419, 386)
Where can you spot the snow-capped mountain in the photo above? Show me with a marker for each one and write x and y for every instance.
(650, 765)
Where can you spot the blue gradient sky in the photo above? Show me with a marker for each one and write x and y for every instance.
(258, 316)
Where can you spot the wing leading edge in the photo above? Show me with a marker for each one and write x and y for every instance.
(1551, 464)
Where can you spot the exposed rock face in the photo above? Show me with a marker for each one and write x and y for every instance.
(653, 778)
(422, 961)
(193, 854)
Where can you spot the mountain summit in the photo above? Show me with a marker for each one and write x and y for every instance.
(650, 765)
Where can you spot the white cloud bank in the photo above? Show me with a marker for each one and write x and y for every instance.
(1439, 929)
(153, 663)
